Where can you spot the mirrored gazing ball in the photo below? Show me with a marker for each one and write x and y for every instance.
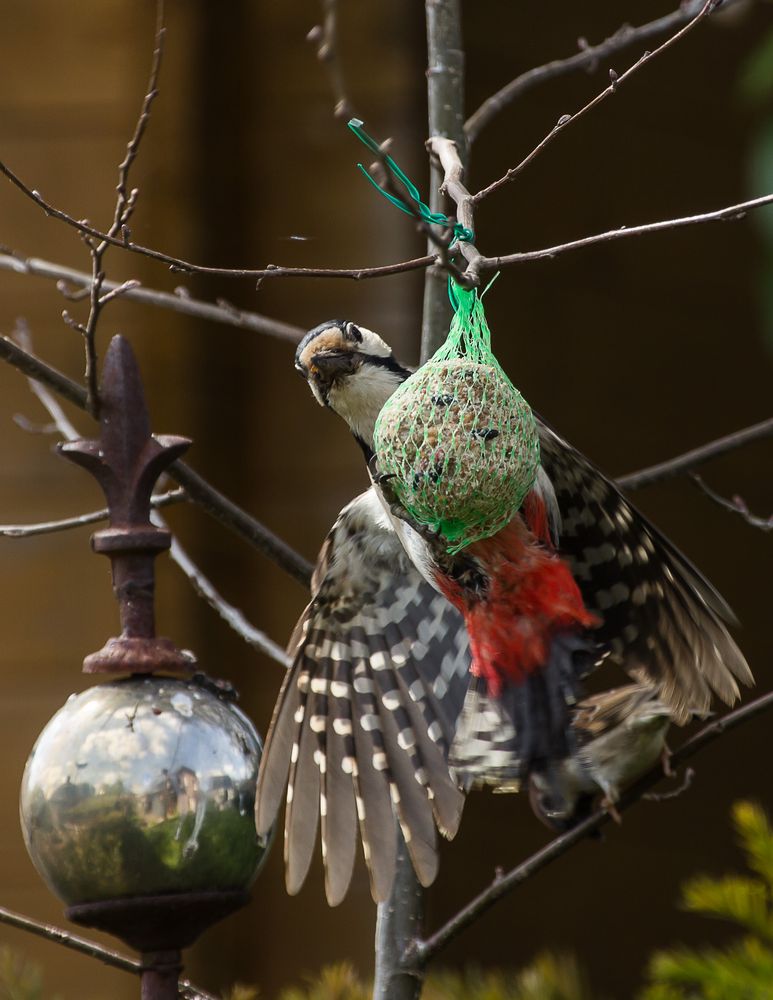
(141, 787)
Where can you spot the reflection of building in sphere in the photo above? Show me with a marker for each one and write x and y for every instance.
(174, 794)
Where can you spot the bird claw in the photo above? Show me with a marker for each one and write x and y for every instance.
(665, 762)
(609, 807)
(384, 482)
(433, 536)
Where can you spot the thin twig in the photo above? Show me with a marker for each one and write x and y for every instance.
(93, 517)
(32, 366)
(733, 212)
(422, 951)
(417, 263)
(198, 489)
(232, 616)
(126, 200)
(355, 273)
(241, 523)
(697, 456)
(201, 584)
(616, 82)
(68, 940)
(587, 58)
(623, 232)
(72, 283)
(86, 947)
(736, 505)
(125, 203)
(177, 264)
(325, 37)
(117, 291)
(49, 402)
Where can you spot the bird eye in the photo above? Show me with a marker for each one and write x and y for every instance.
(354, 332)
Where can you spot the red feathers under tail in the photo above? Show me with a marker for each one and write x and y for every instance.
(528, 636)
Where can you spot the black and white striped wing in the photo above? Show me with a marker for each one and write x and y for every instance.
(486, 751)
(363, 724)
(663, 622)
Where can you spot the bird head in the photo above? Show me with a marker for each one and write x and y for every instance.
(555, 802)
(352, 371)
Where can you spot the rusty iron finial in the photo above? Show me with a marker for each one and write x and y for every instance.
(126, 461)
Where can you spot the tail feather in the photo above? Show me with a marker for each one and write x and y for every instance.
(500, 740)
(485, 747)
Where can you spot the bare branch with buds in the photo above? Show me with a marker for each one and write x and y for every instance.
(422, 951)
(615, 82)
(588, 58)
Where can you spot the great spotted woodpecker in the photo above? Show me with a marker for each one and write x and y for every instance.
(375, 698)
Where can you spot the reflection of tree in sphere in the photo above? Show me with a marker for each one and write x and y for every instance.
(141, 787)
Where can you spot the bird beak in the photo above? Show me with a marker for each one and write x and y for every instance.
(331, 364)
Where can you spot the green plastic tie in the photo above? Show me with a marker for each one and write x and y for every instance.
(418, 209)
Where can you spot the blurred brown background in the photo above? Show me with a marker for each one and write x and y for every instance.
(635, 350)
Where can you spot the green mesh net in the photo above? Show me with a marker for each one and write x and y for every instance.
(457, 437)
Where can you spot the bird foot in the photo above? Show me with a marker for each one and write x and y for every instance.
(609, 807)
(383, 480)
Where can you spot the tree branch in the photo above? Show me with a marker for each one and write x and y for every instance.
(178, 301)
(125, 199)
(400, 917)
(382, 174)
(615, 82)
(125, 203)
(72, 941)
(445, 105)
(198, 489)
(398, 922)
(325, 37)
(447, 154)
(86, 947)
(422, 951)
(736, 505)
(93, 517)
(730, 212)
(177, 264)
(232, 616)
(241, 523)
(697, 456)
(719, 215)
(587, 58)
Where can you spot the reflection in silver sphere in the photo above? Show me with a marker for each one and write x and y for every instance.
(140, 787)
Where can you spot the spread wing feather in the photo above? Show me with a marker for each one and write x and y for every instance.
(663, 622)
(367, 711)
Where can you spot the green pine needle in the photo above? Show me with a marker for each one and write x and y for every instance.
(744, 970)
